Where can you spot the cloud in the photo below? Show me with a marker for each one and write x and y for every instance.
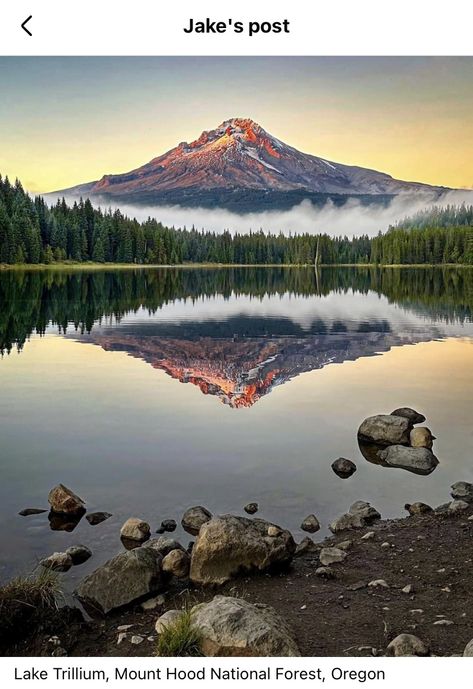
(351, 219)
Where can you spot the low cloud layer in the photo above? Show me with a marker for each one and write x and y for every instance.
(350, 219)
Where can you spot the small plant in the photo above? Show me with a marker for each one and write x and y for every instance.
(180, 638)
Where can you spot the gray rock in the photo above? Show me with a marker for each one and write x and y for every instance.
(458, 506)
(153, 603)
(177, 563)
(234, 627)
(385, 430)
(421, 437)
(329, 556)
(64, 501)
(125, 578)
(30, 511)
(136, 639)
(344, 468)
(168, 619)
(378, 583)
(58, 562)
(417, 508)
(163, 545)
(304, 546)
(461, 490)
(251, 508)
(418, 460)
(168, 525)
(95, 518)
(359, 515)
(193, 518)
(79, 554)
(310, 524)
(408, 413)
(468, 652)
(228, 545)
(407, 645)
(135, 529)
(325, 572)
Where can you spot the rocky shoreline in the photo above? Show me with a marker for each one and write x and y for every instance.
(244, 587)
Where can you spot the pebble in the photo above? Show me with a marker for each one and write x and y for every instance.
(443, 623)
(274, 531)
(121, 637)
(378, 582)
(153, 603)
(385, 545)
(135, 639)
(408, 589)
(368, 536)
(303, 607)
(417, 611)
(325, 572)
(124, 627)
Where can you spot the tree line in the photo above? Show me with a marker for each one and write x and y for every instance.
(31, 232)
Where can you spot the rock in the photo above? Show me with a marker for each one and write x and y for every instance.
(325, 573)
(31, 510)
(168, 525)
(124, 627)
(135, 529)
(64, 501)
(163, 545)
(228, 545)
(95, 518)
(234, 627)
(443, 623)
(417, 508)
(385, 544)
(461, 490)
(385, 430)
(310, 524)
(421, 437)
(468, 652)
(458, 506)
(168, 619)
(79, 554)
(407, 645)
(345, 545)
(251, 508)
(59, 562)
(376, 583)
(368, 536)
(419, 460)
(193, 518)
(125, 578)
(330, 555)
(153, 603)
(344, 468)
(274, 531)
(135, 639)
(408, 413)
(177, 563)
(359, 515)
(121, 637)
(408, 589)
(304, 546)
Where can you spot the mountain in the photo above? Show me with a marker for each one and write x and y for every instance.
(240, 164)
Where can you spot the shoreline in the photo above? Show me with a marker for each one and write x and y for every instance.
(341, 616)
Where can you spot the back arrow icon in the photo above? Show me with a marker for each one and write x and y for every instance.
(23, 26)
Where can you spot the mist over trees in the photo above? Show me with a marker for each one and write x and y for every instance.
(33, 233)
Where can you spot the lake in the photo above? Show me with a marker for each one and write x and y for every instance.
(148, 391)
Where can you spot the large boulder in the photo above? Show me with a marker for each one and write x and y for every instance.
(407, 645)
(408, 413)
(125, 578)
(229, 545)
(384, 429)
(233, 627)
(193, 518)
(135, 529)
(421, 437)
(58, 562)
(418, 460)
(461, 490)
(64, 501)
(344, 468)
(360, 514)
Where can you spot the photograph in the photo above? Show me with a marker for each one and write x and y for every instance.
(236, 356)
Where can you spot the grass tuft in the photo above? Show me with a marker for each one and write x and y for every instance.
(37, 590)
(180, 638)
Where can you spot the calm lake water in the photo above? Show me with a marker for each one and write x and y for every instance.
(150, 391)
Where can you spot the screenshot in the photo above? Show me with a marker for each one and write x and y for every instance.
(236, 344)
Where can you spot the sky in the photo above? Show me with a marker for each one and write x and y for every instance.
(64, 121)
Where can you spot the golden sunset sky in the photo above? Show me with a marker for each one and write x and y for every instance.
(64, 121)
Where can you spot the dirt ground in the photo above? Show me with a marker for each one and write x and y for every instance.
(330, 617)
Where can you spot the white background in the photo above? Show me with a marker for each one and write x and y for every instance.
(153, 27)
(331, 27)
